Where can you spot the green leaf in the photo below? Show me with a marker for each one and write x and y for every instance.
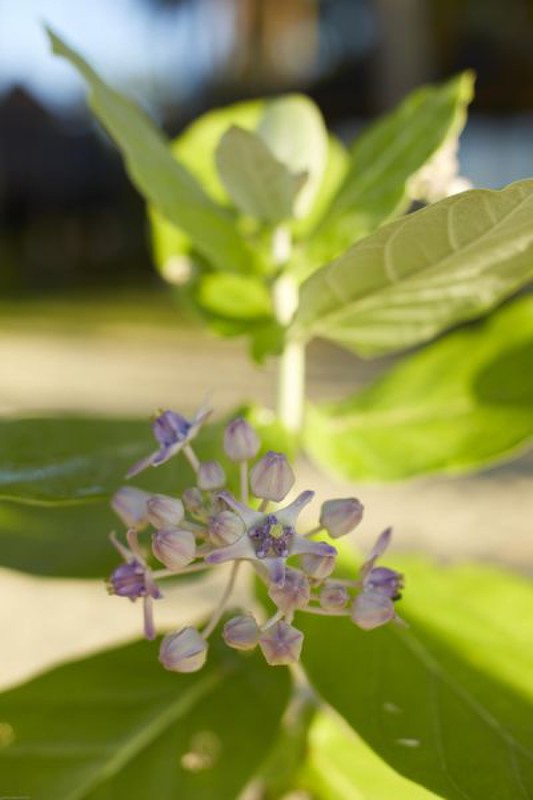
(165, 183)
(239, 297)
(295, 132)
(340, 766)
(447, 702)
(423, 273)
(386, 156)
(259, 184)
(77, 459)
(119, 725)
(463, 402)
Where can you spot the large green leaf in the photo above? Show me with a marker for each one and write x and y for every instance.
(447, 702)
(159, 177)
(76, 459)
(118, 725)
(259, 184)
(387, 156)
(463, 402)
(423, 273)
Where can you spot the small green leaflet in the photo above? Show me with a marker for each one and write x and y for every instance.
(423, 273)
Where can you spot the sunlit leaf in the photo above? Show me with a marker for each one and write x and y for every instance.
(447, 702)
(463, 402)
(235, 296)
(158, 176)
(386, 157)
(119, 725)
(257, 182)
(295, 132)
(423, 273)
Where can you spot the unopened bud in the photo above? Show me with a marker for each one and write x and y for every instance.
(372, 609)
(385, 581)
(211, 476)
(164, 512)
(334, 595)
(131, 506)
(293, 594)
(193, 502)
(184, 651)
(281, 644)
(242, 632)
(241, 442)
(225, 528)
(318, 567)
(174, 548)
(341, 516)
(272, 477)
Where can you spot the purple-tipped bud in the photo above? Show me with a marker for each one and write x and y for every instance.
(372, 609)
(294, 593)
(193, 502)
(242, 632)
(333, 596)
(225, 528)
(184, 651)
(272, 477)
(211, 476)
(385, 581)
(341, 516)
(129, 580)
(281, 644)
(164, 512)
(131, 506)
(241, 442)
(318, 567)
(174, 548)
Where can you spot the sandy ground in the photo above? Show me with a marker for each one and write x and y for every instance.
(132, 370)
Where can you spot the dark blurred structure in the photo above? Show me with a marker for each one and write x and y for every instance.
(68, 213)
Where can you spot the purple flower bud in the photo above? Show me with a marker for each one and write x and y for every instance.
(334, 595)
(225, 528)
(193, 502)
(242, 632)
(184, 651)
(211, 476)
(281, 644)
(372, 609)
(170, 427)
(318, 567)
(174, 548)
(164, 512)
(131, 506)
(341, 516)
(241, 442)
(385, 581)
(129, 580)
(294, 593)
(272, 477)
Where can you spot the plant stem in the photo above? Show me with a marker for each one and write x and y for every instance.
(291, 369)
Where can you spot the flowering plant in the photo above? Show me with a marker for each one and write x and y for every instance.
(209, 526)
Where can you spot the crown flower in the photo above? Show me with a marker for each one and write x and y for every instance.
(212, 526)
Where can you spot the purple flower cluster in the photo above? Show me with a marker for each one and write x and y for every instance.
(209, 526)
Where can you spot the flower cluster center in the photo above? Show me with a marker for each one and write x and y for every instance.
(271, 538)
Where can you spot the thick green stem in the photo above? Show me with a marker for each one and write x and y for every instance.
(291, 367)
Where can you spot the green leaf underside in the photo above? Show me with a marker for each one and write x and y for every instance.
(423, 273)
(165, 183)
(388, 154)
(463, 402)
(259, 184)
(448, 702)
(118, 725)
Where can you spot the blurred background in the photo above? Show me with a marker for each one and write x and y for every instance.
(70, 219)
